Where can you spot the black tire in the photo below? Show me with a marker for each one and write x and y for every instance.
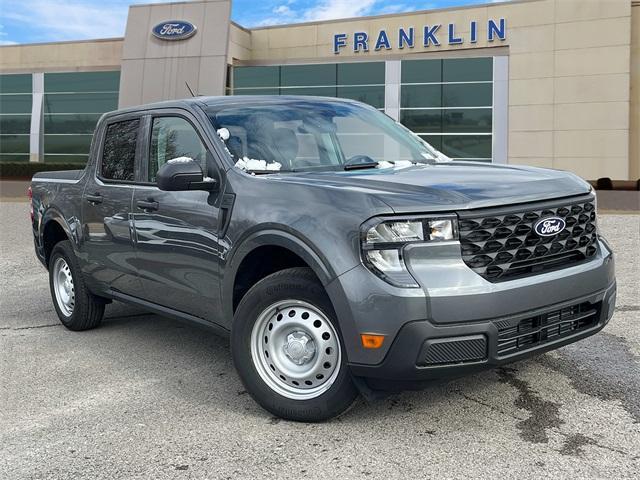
(302, 285)
(88, 309)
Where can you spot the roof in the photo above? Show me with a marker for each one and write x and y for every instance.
(251, 99)
(211, 101)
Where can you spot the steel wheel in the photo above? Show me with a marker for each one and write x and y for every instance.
(295, 349)
(63, 287)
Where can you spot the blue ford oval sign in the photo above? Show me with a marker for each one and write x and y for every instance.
(549, 226)
(174, 30)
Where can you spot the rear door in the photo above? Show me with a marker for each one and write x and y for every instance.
(176, 233)
(107, 248)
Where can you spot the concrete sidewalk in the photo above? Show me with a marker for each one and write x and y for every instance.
(623, 201)
(13, 190)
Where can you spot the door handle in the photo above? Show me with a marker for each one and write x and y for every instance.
(94, 199)
(147, 205)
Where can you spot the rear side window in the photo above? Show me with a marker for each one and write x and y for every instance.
(119, 152)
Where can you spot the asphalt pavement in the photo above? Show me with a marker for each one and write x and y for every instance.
(146, 397)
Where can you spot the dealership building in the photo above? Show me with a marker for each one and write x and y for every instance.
(551, 83)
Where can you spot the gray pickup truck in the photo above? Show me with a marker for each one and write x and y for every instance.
(340, 252)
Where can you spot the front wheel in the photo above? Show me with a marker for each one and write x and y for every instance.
(287, 348)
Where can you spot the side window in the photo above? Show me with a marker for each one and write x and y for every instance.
(119, 151)
(173, 137)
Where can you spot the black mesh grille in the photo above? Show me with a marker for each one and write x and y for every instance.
(504, 246)
(548, 327)
(453, 350)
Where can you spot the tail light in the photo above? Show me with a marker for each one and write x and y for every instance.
(30, 195)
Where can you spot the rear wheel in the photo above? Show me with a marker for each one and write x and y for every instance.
(287, 348)
(77, 308)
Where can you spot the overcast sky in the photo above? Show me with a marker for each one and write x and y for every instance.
(29, 21)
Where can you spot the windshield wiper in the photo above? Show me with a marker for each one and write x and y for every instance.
(358, 162)
(268, 172)
(424, 161)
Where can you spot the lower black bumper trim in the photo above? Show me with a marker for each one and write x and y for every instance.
(405, 361)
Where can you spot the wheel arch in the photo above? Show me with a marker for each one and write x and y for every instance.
(54, 229)
(299, 254)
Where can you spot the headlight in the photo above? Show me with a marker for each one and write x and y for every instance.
(383, 242)
(393, 232)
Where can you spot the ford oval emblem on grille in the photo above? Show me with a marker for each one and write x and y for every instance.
(549, 226)
(174, 30)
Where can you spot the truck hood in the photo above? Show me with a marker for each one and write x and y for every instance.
(450, 186)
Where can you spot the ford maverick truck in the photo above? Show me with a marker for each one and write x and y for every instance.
(340, 252)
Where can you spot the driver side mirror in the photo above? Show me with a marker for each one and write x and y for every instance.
(184, 173)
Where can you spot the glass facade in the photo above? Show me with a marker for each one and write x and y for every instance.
(363, 81)
(73, 103)
(449, 103)
(15, 117)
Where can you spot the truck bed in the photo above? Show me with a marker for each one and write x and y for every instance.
(59, 175)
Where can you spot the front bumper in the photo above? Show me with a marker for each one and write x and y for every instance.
(454, 301)
(423, 351)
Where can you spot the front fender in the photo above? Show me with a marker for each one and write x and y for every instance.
(272, 237)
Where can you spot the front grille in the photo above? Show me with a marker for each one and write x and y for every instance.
(548, 327)
(502, 245)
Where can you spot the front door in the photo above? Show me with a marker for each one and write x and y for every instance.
(106, 251)
(176, 233)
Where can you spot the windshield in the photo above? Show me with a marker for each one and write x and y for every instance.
(304, 135)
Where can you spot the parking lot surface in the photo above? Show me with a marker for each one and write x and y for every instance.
(146, 397)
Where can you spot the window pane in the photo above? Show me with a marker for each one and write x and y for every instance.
(14, 157)
(467, 146)
(81, 160)
(366, 73)
(14, 143)
(173, 137)
(15, 123)
(257, 91)
(82, 82)
(374, 96)
(467, 69)
(16, 83)
(308, 75)
(119, 152)
(313, 91)
(256, 77)
(72, 123)
(434, 140)
(468, 95)
(15, 103)
(421, 71)
(421, 96)
(421, 121)
(80, 102)
(467, 121)
(67, 143)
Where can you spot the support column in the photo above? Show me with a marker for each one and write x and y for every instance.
(37, 118)
(392, 80)
(500, 128)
